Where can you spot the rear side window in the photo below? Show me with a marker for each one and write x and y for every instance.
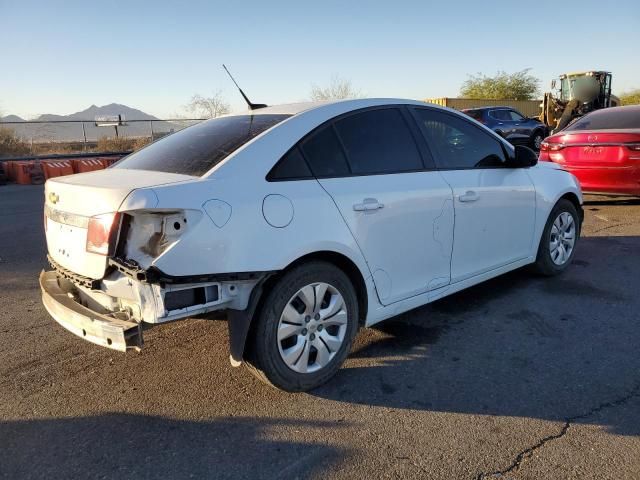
(458, 144)
(378, 141)
(290, 167)
(197, 149)
(324, 154)
(609, 118)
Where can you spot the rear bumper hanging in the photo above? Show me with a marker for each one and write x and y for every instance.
(92, 326)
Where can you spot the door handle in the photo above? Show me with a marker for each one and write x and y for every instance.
(470, 196)
(368, 204)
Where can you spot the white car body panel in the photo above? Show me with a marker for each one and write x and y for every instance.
(494, 227)
(415, 214)
(423, 245)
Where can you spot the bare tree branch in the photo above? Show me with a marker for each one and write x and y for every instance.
(337, 89)
(208, 107)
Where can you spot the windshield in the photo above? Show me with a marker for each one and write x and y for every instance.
(584, 88)
(197, 149)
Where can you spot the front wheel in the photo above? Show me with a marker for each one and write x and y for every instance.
(558, 242)
(536, 140)
(305, 328)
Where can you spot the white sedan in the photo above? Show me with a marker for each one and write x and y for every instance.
(303, 222)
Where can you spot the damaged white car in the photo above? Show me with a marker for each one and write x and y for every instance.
(303, 223)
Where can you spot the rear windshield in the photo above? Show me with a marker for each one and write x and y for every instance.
(615, 118)
(197, 149)
(475, 114)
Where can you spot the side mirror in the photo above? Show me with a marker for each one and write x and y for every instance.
(524, 158)
(553, 84)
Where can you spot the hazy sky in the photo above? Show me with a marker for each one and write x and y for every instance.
(61, 57)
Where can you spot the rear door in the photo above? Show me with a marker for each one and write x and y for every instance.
(399, 210)
(521, 127)
(494, 205)
(502, 123)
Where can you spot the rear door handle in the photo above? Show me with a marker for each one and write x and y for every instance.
(368, 204)
(470, 196)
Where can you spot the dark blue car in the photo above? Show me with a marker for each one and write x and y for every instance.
(511, 125)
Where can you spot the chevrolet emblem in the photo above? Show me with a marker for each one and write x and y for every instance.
(53, 197)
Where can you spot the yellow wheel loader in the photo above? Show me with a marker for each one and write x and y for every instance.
(579, 94)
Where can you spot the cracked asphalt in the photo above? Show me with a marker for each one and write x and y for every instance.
(521, 377)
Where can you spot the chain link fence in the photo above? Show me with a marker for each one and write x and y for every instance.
(34, 138)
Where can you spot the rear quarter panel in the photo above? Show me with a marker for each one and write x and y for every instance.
(247, 242)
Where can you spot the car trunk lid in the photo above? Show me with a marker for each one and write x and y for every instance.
(71, 201)
(593, 149)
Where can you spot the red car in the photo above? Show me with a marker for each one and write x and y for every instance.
(602, 149)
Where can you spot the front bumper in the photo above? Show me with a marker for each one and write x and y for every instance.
(94, 327)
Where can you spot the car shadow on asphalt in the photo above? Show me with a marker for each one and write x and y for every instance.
(518, 345)
(594, 200)
(119, 445)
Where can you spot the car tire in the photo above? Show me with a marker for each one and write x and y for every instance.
(536, 140)
(561, 231)
(291, 308)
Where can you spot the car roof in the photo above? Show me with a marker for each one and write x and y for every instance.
(261, 152)
(349, 104)
(480, 109)
(615, 110)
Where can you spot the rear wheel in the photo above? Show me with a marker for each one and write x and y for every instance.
(559, 238)
(305, 328)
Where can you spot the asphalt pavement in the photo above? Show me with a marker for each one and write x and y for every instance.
(520, 377)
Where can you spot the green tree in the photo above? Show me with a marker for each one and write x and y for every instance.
(631, 98)
(502, 86)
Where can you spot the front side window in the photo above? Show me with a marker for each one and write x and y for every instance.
(458, 144)
(197, 149)
(502, 115)
(515, 116)
(378, 141)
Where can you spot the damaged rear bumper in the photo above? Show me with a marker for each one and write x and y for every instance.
(92, 326)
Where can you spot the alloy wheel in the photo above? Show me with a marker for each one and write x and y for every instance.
(537, 142)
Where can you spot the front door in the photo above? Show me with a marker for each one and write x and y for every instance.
(494, 205)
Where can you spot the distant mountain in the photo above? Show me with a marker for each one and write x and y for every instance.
(11, 118)
(46, 132)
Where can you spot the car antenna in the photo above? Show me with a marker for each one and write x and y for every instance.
(252, 106)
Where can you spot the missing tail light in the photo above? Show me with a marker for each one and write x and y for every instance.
(102, 233)
(635, 147)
